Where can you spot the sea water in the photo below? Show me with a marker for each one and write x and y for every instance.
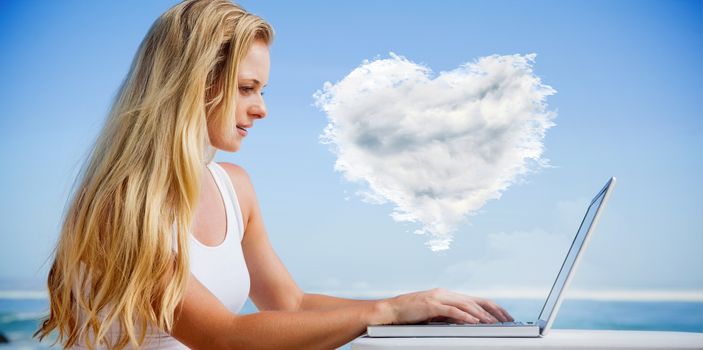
(19, 318)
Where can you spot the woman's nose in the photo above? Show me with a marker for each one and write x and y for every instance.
(258, 109)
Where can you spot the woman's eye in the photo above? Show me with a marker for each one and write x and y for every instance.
(249, 89)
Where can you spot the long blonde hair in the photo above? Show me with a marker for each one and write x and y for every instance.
(118, 260)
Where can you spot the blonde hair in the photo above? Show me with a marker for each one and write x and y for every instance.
(115, 262)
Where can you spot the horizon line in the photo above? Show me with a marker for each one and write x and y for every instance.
(653, 295)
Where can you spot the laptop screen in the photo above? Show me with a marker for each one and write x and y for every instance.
(576, 245)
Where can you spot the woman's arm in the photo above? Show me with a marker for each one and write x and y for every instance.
(326, 302)
(203, 322)
(272, 287)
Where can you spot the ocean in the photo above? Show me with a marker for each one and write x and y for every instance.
(19, 318)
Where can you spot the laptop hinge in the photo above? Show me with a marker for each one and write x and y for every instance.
(541, 324)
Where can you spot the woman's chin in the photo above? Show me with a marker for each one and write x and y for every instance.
(233, 146)
(230, 145)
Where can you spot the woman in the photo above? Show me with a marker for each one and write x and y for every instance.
(161, 246)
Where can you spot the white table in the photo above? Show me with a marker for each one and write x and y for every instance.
(556, 339)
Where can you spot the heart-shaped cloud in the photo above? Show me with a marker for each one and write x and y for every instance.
(439, 148)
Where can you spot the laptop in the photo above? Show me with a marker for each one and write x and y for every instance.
(538, 328)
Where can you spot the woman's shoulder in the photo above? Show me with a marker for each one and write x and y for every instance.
(242, 186)
(235, 172)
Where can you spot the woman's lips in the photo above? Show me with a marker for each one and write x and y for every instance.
(242, 131)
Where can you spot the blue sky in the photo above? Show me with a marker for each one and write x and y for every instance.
(629, 103)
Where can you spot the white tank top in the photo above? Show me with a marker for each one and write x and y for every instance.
(220, 268)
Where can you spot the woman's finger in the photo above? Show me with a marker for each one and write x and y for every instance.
(455, 314)
(494, 309)
(469, 305)
(476, 310)
(510, 318)
(498, 308)
(486, 316)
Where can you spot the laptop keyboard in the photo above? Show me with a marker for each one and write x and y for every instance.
(515, 323)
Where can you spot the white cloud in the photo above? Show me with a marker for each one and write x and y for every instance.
(437, 148)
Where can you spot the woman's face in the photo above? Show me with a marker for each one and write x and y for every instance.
(252, 77)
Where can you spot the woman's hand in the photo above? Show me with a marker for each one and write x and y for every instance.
(440, 304)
